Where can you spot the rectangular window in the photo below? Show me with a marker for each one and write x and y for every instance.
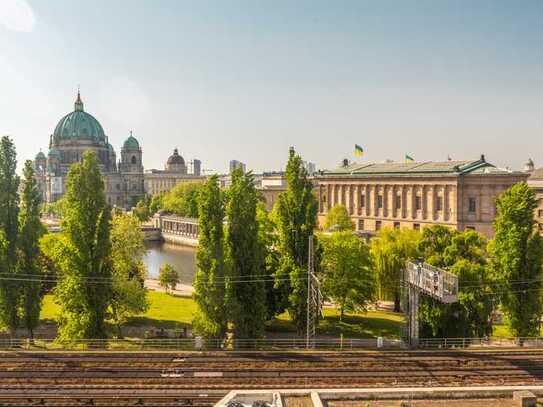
(398, 201)
(439, 203)
(418, 203)
(360, 224)
(396, 225)
(379, 201)
(362, 200)
(540, 213)
(472, 205)
(470, 227)
(377, 225)
(416, 226)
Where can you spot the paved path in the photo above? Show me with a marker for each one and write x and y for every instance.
(184, 290)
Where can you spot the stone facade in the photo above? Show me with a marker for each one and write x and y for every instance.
(125, 180)
(175, 172)
(536, 182)
(457, 194)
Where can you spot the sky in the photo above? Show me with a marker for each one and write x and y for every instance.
(245, 80)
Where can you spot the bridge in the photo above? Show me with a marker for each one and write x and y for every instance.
(177, 229)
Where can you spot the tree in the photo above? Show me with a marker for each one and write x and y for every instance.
(338, 218)
(210, 280)
(85, 288)
(296, 221)
(267, 243)
(155, 204)
(348, 275)
(516, 258)
(141, 211)
(168, 277)
(246, 292)
(9, 219)
(391, 249)
(463, 254)
(129, 272)
(30, 232)
(182, 200)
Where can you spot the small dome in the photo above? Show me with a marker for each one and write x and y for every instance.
(131, 143)
(40, 156)
(175, 158)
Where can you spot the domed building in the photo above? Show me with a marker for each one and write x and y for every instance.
(76, 133)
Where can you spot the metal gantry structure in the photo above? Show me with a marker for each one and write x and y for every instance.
(421, 278)
(314, 297)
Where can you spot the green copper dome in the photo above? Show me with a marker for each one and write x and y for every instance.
(79, 125)
(40, 156)
(131, 143)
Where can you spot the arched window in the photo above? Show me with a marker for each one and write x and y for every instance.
(134, 160)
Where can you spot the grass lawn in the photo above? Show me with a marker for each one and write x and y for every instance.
(165, 311)
(358, 325)
(169, 312)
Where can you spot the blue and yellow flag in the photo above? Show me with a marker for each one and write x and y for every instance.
(408, 158)
(358, 151)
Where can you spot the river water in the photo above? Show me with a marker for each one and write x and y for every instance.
(182, 258)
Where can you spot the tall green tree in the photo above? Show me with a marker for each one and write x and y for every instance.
(85, 288)
(348, 275)
(30, 232)
(338, 218)
(296, 221)
(129, 293)
(9, 219)
(267, 242)
(391, 249)
(517, 256)
(246, 299)
(463, 254)
(210, 281)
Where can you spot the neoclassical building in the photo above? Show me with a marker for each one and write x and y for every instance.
(457, 194)
(78, 132)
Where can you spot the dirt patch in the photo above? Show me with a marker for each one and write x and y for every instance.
(297, 401)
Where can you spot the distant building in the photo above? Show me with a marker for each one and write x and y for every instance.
(196, 167)
(175, 172)
(310, 167)
(235, 164)
(75, 133)
(457, 194)
(535, 181)
(125, 180)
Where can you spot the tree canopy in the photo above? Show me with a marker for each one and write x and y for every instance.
(296, 217)
(338, 219)
(516, 258)
(348, 273)
(182, 199)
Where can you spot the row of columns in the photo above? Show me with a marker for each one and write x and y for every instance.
(180, 227)
(397, 201)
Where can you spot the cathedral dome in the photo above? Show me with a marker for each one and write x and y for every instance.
(131, 143)
(175, 158)
(79, 125)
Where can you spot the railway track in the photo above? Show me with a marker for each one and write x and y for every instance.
(200, 379)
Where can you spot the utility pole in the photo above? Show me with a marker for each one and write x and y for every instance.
(314, 296)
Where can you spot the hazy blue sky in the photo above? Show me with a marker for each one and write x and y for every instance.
(246, 79)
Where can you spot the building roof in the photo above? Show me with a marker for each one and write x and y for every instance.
(424, 168)
(536, 175)
(131, 143)
(175, 158)
(40, 156)
(79, 125)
